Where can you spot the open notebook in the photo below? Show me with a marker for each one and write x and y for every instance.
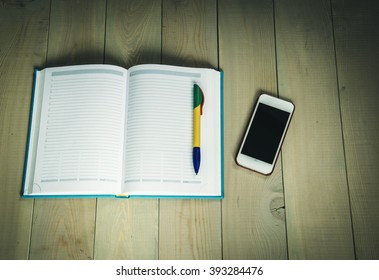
(103, 130)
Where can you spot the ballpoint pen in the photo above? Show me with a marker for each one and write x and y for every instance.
(198, 101)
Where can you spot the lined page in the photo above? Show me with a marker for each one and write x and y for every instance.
(158, 153)
(81, 132)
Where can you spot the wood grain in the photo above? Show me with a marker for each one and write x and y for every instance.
(316, 191)
(64, 228)
(129, 229)
(23, 34)
(357, 49)
(189, 33)
(77, 31)
(133, 34)
(189, 229)
(253, 212)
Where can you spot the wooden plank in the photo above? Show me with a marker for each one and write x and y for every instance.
(253, 211)
(129, 229)
(316, 192)
(133, 34)
(23, 34)
(189, 229)
(357, 48)
(76, 34)
(64, 228)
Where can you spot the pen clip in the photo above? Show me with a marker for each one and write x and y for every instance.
(202, 101)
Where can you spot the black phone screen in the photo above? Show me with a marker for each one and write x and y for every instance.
(265, 133)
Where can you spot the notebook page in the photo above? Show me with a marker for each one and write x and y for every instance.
(81, 130)
(158, 153)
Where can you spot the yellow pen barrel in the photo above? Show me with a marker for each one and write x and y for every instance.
(196, 126)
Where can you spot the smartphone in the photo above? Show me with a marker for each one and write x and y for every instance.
(264, 136)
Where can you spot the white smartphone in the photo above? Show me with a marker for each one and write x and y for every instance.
(265, 133)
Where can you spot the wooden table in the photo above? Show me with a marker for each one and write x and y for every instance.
(322, 200)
